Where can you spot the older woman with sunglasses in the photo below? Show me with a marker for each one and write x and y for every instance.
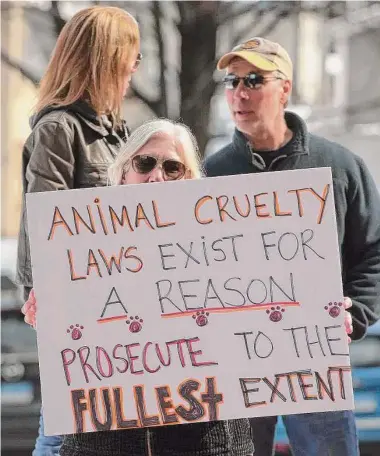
(158, 151)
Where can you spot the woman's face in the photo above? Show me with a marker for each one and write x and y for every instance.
(169, 165)
(132, 67)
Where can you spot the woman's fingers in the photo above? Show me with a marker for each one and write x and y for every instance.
(31, 301)
(29, 309)
(347, 316)
(30, 316)
(26, 307)
(347, 303)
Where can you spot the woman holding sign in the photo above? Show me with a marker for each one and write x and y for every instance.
(158, 151)
(77, 130)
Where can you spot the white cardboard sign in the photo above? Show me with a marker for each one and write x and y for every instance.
(189, 301)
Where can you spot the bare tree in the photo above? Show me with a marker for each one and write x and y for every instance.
(196, 25)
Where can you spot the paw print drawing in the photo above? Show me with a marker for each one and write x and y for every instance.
(75, 331)
(201, 318)
(334, 309)
(275, 313)
(135, 324)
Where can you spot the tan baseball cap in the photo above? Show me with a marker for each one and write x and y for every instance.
(263, 54)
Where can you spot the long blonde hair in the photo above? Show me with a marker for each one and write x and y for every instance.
(91, 60)
(185, 141)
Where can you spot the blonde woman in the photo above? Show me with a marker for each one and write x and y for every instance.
(158, 151)
(77, 128)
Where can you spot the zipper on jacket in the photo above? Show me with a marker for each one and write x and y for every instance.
(275, 160)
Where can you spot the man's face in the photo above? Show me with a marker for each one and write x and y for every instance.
(255, 109)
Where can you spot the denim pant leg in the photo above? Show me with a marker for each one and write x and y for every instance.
(263, 432)
(327, 434)
(46, 445)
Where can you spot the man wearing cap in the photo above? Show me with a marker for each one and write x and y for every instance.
(258, 84)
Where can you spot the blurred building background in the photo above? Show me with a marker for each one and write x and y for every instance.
(335, 47)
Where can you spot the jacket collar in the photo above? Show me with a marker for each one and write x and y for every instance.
(102, 125)
(293, 121)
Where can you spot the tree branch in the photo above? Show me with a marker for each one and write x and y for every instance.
(274, 22)
(25, 72)
(281, 13)
(203, 83)
(227, 13)
(59, 22)
(152, 105)
(161, 59)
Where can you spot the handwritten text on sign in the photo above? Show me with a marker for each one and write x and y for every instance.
(189, 301)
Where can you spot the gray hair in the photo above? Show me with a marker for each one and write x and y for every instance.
(186, 146)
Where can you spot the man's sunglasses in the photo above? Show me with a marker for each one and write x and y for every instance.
(138, 60)
(251, 81)
(172, 169)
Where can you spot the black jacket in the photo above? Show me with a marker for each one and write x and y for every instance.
(68, 148)
(357, 205)
(214, 438)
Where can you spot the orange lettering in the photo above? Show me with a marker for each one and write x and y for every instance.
(159, 224)
(198, 205)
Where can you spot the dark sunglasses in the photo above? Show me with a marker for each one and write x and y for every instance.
(172, 169)
(251, 81)
(138, 60)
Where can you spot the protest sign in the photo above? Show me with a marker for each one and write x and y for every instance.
(189, 301)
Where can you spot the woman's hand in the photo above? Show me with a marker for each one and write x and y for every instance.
(29, 309)
(348, 318)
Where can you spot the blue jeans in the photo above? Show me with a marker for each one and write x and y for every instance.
(46, 445)
(327, 434)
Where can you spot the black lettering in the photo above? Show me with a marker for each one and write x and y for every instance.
(196, 411)
(122, 423)
(265, 245)
(215, 296)
(321, 385)
(184, 296)
(162, 256)
(279, 246)
(233, 243)
(218, 250)
(305, 243)
(304, 386)
(234, 289)
(249, 291)
(188, 254)
(290, 297)
(145, 420)
(161, 298)
(246, 391)
(244, 334)
(164, 405)
(318, 341)
(107, 424)
(116, 301)
(79, 404)
(212, 398)
(261, 336)
(329, 340)
(274, 388)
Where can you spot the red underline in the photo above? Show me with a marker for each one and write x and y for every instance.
(106, 320)
(267, 305)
